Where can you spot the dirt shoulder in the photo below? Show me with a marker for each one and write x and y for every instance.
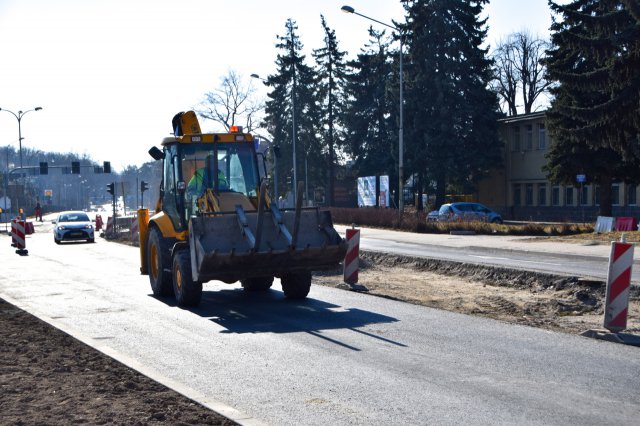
(49, 378)
(564, 304)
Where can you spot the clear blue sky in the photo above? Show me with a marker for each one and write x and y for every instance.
(110, 74)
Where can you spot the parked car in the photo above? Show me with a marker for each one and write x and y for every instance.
(464, 212)
(73, 226)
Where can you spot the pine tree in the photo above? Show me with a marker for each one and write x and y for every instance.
(451, 113)
(291, 111)
(370, 133)
(595, 112)
(331, 73)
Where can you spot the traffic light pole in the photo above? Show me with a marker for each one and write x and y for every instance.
(111, 189)
(143, 187)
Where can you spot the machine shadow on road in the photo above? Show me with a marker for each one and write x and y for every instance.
(239, 311)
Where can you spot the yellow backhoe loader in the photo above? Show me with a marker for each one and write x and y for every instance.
(214, 221)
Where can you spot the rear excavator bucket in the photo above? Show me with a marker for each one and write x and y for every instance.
(234, 246)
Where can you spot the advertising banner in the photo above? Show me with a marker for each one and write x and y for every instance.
(384, 192)
(367, 191)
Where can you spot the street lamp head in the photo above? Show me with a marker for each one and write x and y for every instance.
(38, 108)
(255, 76)
(347, 9)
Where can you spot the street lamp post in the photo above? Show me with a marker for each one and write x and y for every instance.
(293, 119)
(349, 9)
(18, 117)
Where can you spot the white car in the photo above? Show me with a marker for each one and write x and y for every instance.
(73, 226)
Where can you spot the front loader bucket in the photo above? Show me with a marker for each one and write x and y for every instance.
(234, 246)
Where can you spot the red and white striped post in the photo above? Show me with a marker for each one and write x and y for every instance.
(13, 232)
(18, 236)
(133, 228)
(618, 284)
(351, 258)
(109, 225)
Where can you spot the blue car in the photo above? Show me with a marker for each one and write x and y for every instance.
(467, 212)
(73, 226)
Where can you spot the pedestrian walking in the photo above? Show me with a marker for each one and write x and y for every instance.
(38, 212)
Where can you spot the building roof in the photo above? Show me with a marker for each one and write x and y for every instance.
(523, 117)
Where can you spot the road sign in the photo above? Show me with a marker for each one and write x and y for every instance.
(581, 178)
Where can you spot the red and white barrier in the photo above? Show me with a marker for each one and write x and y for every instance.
(109, 224)
(13, 232)
(618, 283)
(133, 228)
(18, 236)
(351, 258)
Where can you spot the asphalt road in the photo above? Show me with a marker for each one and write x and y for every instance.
(336, 358)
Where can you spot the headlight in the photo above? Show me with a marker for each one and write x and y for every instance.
(88, 227)
(61, 228)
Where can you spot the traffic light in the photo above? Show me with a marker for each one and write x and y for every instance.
(44, 168)
(106, 166)
(111, 188)
(143, 186)
(75, 167)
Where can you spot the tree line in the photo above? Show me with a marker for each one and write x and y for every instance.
(338, 110)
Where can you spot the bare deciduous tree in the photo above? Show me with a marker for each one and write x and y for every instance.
(233, 103)
(519, 72)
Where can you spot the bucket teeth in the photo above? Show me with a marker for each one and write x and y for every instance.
(225, 246)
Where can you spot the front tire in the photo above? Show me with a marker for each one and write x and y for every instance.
(296, 286)
(187, 291)
(159, 278)
(257, 283)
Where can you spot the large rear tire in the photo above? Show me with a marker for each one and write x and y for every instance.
(156, 264)
(257, 283)
(296, 286)
(187, 291)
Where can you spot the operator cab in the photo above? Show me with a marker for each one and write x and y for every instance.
(227, 168)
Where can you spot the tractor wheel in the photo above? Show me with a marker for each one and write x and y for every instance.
(296, 286)
(257, 283)
(156, 262)
(187, 291)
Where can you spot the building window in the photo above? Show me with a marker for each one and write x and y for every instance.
(555, 196)
(615, 194)
(568, 196)
(516, 139)
(631, 195)
(596, 195)
(528, 194)
(529, 145)
(542, 194)
(517, 197)
(542, 137)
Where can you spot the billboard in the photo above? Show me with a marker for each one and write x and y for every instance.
(384, 192)
(367, 191)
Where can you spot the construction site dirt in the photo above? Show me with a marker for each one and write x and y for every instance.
(47, 377)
